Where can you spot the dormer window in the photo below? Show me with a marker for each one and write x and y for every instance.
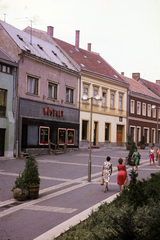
(85, 57)
(54, 53)
(40, 46)
(82, 65)
(98, 61)
(19, 37)
(71, 51)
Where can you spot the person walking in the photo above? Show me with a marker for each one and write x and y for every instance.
(136, 155)
(106, 172)
(158, 153)
(122, 173)
(151, 155)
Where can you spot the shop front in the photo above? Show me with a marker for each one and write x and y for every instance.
(41, 123)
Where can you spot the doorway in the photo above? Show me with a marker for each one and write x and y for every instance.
(95, 141)
(119, 135)
(2, 140)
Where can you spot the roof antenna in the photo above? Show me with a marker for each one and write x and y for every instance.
(4, 17)
(31, 30)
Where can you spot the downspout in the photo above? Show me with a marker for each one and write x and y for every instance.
(127, 113)
(13, 106)
(17, 113)
(79, 107)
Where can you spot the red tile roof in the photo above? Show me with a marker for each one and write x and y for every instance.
(137, 87)
(89, 61)
(152, 86)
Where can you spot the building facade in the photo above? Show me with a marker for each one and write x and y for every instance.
(97, 78)
(8, 73)
(143, 118)
(47, 93)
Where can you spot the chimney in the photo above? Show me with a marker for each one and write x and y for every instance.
(89, 47)
(158, 82)
(77, 39)
(136, 76)
(50, 30)
(122, 73)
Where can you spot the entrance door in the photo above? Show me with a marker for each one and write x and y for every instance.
(95, 134)
(2, 140)
(119, 135)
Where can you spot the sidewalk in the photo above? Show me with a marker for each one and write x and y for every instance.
(66, 196)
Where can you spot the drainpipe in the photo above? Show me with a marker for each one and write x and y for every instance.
(79, 107)
(127, 113)
(17, 113)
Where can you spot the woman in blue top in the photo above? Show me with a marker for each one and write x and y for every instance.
(136, 156)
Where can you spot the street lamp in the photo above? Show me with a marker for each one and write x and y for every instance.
(155, 107)
(86, 98)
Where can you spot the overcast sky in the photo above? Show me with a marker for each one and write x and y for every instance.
(126, 33)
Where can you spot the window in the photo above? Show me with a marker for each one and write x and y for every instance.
(95, 94)
(85, 91)
(69, 95)
(154, 112)
(149, 110)
(32, 85)
(144, 109)
(52, 90)
(104, 98)
(132, 132)
(107, 127)
(112, 100)
(138, 108)
(120, 102)
(84, 129)
(132, 106)
(3, 97)
(4, 68)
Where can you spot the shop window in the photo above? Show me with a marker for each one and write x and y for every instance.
(62, 136)
(3, 97)
(43, 135)
(69, 95)
(32, 135)
(70, 136)
(107, 129)
(32, 85)
(52, 90)
(84, 129)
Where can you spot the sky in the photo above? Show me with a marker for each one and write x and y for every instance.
(126, 33)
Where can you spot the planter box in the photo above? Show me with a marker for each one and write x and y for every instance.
(33, 191)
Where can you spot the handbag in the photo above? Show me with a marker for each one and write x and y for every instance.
(102, 181)
(126, 182)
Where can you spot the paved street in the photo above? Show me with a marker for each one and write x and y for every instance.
(65, 197)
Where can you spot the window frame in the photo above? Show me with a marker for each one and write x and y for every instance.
(37, 82)
(112, 93)
(87, 130)
(144, 109)
(70, 99)
(104, 102)
(138, 108)
(108, 132)
(95, 89)
(121, 95)
(3, 102)
(149, 109)
(57, 89)
(132, 106)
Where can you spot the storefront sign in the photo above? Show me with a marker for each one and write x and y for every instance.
(52, 112)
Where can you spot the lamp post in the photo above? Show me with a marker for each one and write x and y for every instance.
(155, 107)
(86, 98)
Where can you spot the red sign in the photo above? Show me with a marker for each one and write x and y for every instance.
(52, 112)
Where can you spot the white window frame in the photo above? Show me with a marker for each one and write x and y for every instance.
(138, 108)
(132, 106)
(120, 103)
(144, 109)
(104, 99)
(112, 99)
(149, 110)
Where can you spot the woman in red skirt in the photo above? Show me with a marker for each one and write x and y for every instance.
(122, 173)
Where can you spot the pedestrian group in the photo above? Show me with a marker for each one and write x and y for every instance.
(122, 179)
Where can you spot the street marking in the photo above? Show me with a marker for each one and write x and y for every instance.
(50, 209)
